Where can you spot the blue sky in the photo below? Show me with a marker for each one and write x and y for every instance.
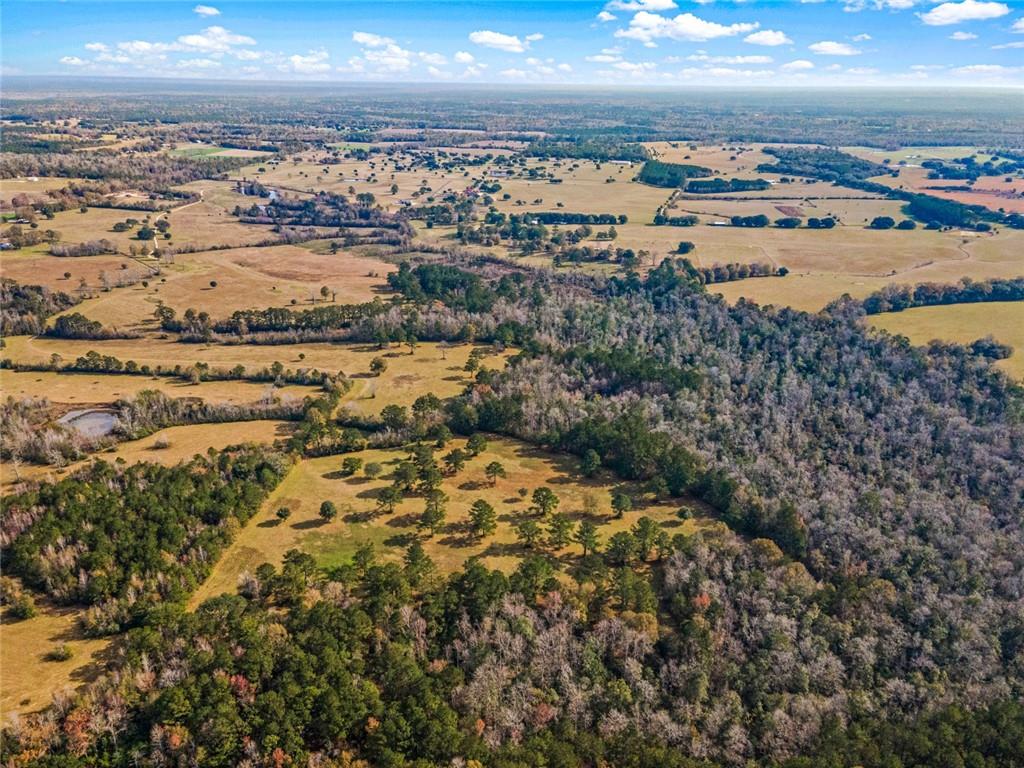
(622, 42)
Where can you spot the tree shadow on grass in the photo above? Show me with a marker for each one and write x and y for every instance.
(307, 525)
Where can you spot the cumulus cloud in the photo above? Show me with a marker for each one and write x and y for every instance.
(967, 10)
(854, 6)
(641, 5)
(313, 63)
(73, 61)
(959, 35)
(214, 39)
(832, 48)
(604, 58)
(770, 37)
(1018, 25)
(502, 42)
(1005, 46)
(861, 38)
(730, 59)
(98, 47)
(605, 17)
(647, 27)
(206, 10)
(464, 57)
(371, 40)
(798, 65)
(198, 64)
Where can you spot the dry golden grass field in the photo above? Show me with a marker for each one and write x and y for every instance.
(28, 679)
(430, 368)
(247, 278)
(963, 323)
(95, 388)
(911, 155)
(312, 481)
(35, 187)
(819, 277)
(167, 446)
(995, 192)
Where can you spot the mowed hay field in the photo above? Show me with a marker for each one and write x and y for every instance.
(28, 679)
(430, 368)
(246, 278)
(94, 388)
(963, 323)
(34, 266)
(312, 481)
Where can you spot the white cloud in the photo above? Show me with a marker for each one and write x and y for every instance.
(563, 67)
(968, 10)
(73, 61)
(854, 6)
(514, 74)
(647, 27)
(604, 17)
(434, 59)
(730, 59)
(463, 57)
(603, 58)
(509, 43)
(861, 38)
(313, 63)
(371, 40)
(98, 47)
(641, 5)
(985, 69)
(635, 67)
(832, 48)
(214, 39)
(198, 64)
(1004, 46)
(797, 66)
(960, 35)
(1018, 25)
(862, 71)
(206, 10)
(770, 37)
(534, 37)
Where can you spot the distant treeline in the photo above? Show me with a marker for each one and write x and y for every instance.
(672, 175)
(566, 217)
(896, 298)
(721, 186)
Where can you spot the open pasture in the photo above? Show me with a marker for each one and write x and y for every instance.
(430, 368)
(35, 187)
(740, 160)
(976, 256)
(246, 278)
(583, 190)
(994, 192)
(167, 446)
(852, 212)
(81, 389)
(28, 679)
(963, 323)
(911, 156)
(266, 539)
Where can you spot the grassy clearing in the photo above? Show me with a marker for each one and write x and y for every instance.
(168, 447)
(911, 155)
(274, 276)
(35, 187)
(814, 283)
(94, 388)
(429, 369)
(28, 679)
(995, 192)
(266, 539)
(963, 323)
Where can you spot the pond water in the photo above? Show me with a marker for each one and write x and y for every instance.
(90, 423)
